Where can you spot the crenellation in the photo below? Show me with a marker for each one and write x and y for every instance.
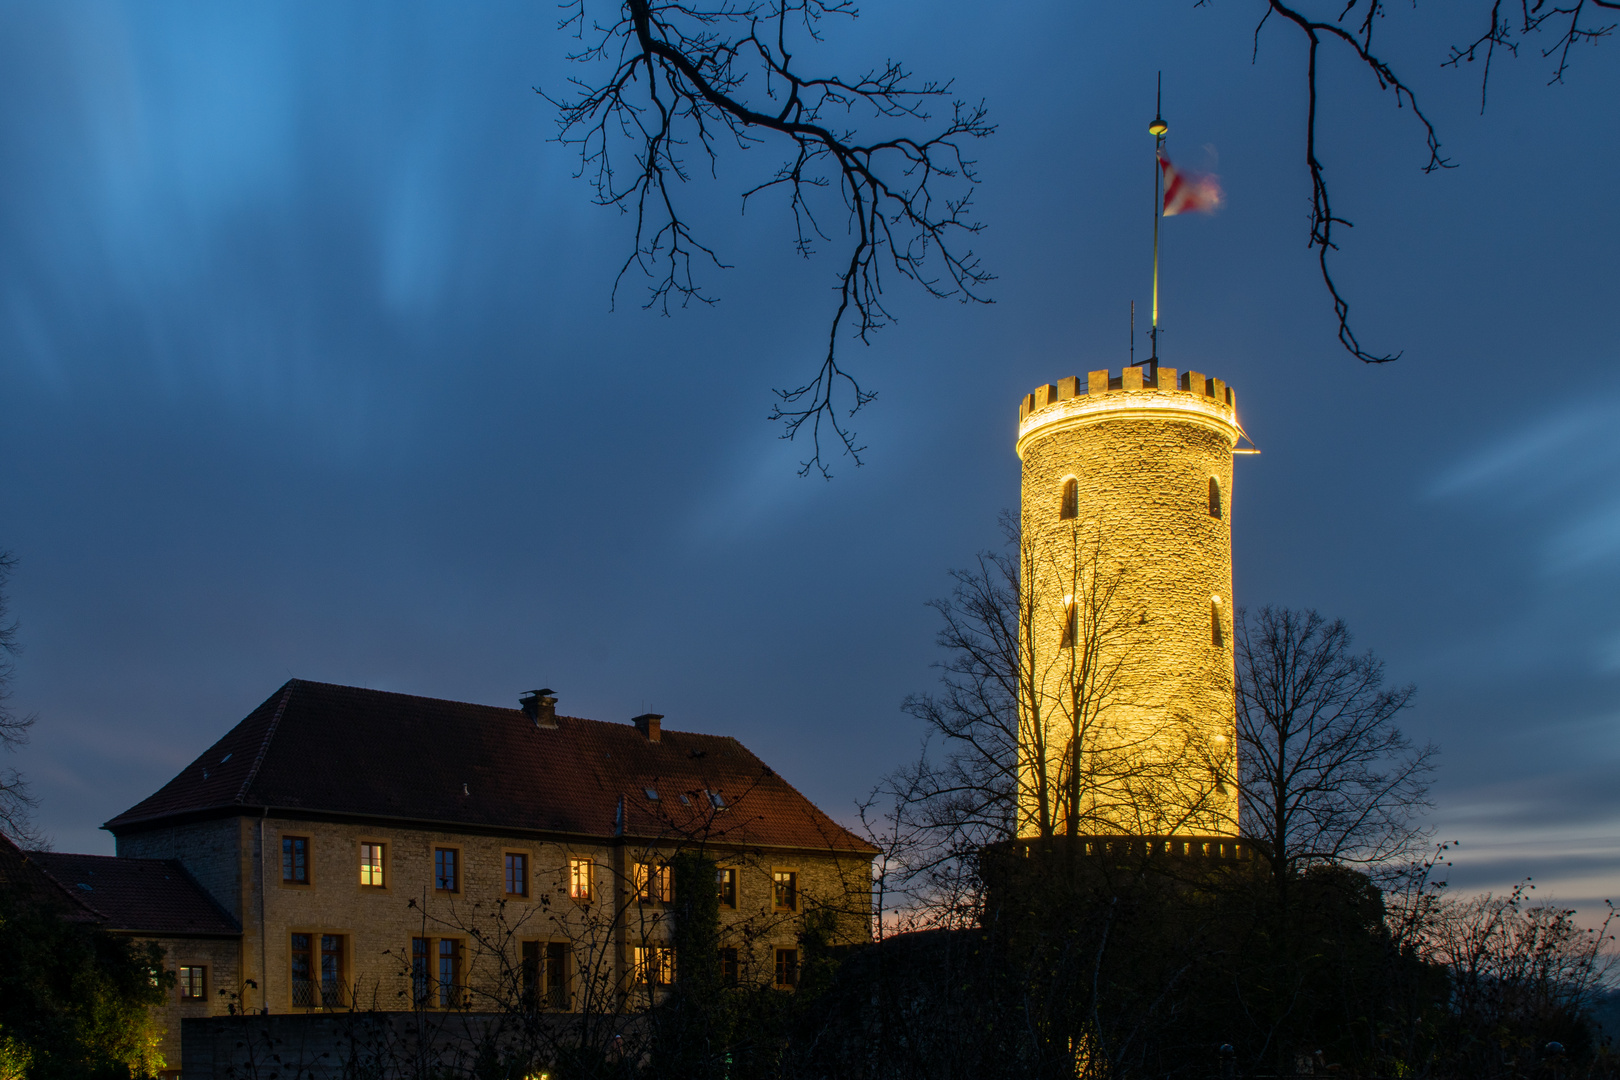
(1135, 378)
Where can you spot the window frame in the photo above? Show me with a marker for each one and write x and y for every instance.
(310, 952)
(793, 904)
(460, 869)
(309, 861)
(785, 975)
(526, 878)
(383, 869)
(721, 886)
(1069, 499)
(185, 975)
(422, 973)
(653, 965)
(342, 993)
(652, 882)
(445, 994)
(575, 862)
(557, 959)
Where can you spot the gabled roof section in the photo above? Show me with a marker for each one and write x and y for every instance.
(140, 896)
(318, 748)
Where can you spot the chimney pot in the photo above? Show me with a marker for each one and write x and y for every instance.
(541, 707)
(648, 725)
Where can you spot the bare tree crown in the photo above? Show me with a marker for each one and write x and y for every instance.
(672, 81)
(1327, 776)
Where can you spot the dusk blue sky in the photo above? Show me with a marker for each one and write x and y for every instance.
(307, 368)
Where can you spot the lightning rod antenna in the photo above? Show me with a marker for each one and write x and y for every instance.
(1157, 129)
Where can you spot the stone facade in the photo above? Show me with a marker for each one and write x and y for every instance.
(1126, 613)
(367, 932)
(221, 961)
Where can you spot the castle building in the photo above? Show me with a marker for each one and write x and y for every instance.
(1127, 706)
(380, 851)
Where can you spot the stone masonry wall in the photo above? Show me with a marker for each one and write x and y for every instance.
(1151, 567)
(221, 957)
(376, 925)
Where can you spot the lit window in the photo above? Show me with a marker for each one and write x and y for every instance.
(1214, 497)
(787, 967)
(371, 865)
(295, 860)
(193, 983)
(303, 972)
(785, 890)
(654, 965)
(725, 880)
(446, 870)
(449, 971)
(1217, 632)
(653, 883)
(1069, 504)
(579, 879)
(334, 990)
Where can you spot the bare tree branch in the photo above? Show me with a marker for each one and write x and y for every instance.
(1327, 776)
(677, 78)
(16, 801)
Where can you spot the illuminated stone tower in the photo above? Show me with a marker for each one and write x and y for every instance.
(1128, 707)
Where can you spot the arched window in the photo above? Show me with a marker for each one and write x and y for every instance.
(1069, 505)
(1214, 497)
(1217, 633)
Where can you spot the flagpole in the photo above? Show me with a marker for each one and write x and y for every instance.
(1157, 129)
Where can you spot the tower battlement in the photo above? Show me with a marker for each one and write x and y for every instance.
(1167, 379)
(1169, 394)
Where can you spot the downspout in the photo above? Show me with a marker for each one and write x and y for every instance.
(264, 961)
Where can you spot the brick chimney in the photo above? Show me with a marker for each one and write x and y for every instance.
(647, 724)
(541, 707)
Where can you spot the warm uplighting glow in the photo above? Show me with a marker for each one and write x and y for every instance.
(1148, 403)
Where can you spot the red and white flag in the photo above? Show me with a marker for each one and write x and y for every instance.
(1186, 193)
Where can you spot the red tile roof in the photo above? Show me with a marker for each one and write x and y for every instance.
(322, 749)
(143, 896)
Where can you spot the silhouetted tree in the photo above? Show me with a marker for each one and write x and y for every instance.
(15, 801)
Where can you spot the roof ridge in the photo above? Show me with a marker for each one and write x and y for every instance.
(264, 747)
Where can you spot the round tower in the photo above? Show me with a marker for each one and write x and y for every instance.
(1127, 703)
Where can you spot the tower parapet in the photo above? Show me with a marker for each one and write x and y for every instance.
(1070, 402)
